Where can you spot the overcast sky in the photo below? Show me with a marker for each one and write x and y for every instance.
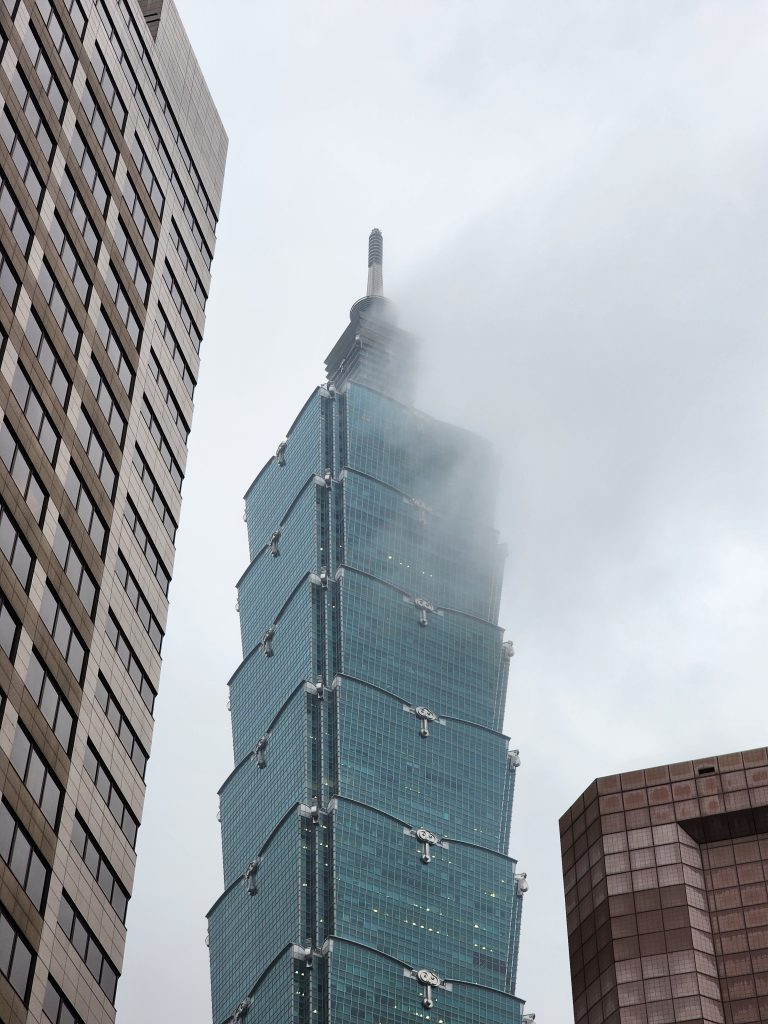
(575, 216)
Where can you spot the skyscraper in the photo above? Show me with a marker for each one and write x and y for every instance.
(365, 826)
(112, 161)
(665, 887)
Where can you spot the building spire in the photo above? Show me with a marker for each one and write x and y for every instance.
(375, 260)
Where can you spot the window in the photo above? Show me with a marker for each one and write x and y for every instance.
(74, 926)
(151, 554)
(22, 857)
(9, 628)
(148, 176)
(140, 217)
(96, 453)
(14, 218)
(33, 770)
(111, 795)
(108, 86)
(88, 166)
(49, 698)
(33, 114)
(70, 259)
(81, 216)
(120, 723)
(115, 352)
(58, 36)
(188, 265)
(132, 664)
(107, 401)
(103, 135)
(51, 365)
(64, 634)
(187, 377)
(9, 282)
(16, 957)
(123, 305)
(18, 465)
(132, 262)
(34, 411)
(57, 1007)
(161, 505)
(58, 305)
(98, 865)
(85, 507)
(168, 397)
(75, 569)
(15, 548)
(139, 602)
(180, 304)
(45, 73)
(153, 424)
(21, 158)
(77, 15)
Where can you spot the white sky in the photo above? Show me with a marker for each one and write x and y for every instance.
(575, 217)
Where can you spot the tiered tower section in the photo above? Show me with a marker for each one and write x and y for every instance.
(366, 824)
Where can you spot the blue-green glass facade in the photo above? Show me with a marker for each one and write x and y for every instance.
(368, 706)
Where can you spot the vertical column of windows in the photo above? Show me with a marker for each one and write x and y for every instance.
(59, 307)
(9, 628)
(131, 261)
(9, 281)
(140, 217)
(107, 83)
(57, 1007)
(19, 465)
(34, 771)
(85, 506)
(123, 305)
(131, 663)
(187, 376)
(17, 552)
(110, 794)
(34, 411)
(89, 949)
(106, 143)
(180, 303)
(75, 569)
(94, 180)
(72, 263)
(106, 401)
(20, 156)
(139, 602)
(116, 353)
(48, 696)
(48, 359)
(168, 396)
(79, 213)
(17, 959)
(156, 432)
(23, 857)
(100, 868)
(14, 218)
(65, 636)
(148, 176)
(97, 455)
(151, 554)
(45, 73)
(189, 268)
(120, 723)
(155, 494)
(58, 35)
(33, 114)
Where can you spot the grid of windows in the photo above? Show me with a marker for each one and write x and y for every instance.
(51, 701)
(179, 302)
(33, 114)
(189, 267)
(168, 396)
(148, 176)
(114, 350)
(48, 359)
(45, 73)
(98, 865)
(91, 173)
(132, 262)
(57, 1007)
(140, 532)
(122, 726)
(72, 263)
(123, 305)
(75, 568)
(14, 218)
(155, 494)
(140, 217)
(9, 282)
(17, 959)
(85, 506)
(19, 466)
(181, 364)
(103, 135)
(139, 602)
(75, 927)
(15, 548)
(33, 770)
(31, 405)
(110, 794)
(106, 400)
(132, 665)
(21, 159)
(22, 856)
(155, 430)
(108, 86)
(58, 35)
(94, 449)
(80, 214)
(64, 634)
(58, 305)
(9, 627)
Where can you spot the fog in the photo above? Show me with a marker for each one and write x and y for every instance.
(574, 214)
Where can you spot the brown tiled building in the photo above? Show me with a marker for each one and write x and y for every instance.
(111, 166)
(665, 885)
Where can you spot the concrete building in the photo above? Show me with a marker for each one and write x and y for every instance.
(366, 824)
(112, 159)
(665, 887)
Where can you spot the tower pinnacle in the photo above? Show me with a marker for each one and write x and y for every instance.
(375, 260)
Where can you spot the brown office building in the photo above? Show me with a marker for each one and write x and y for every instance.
(665, 886)
(112, 159)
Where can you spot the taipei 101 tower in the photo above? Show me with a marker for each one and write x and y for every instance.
(366, 823)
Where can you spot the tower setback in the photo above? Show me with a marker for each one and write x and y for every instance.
(365, 826)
